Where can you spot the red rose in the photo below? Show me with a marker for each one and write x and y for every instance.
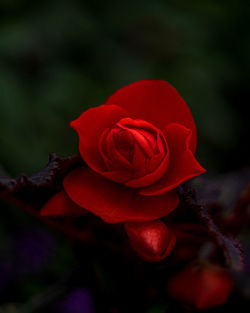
(139, 146)
(201, 286)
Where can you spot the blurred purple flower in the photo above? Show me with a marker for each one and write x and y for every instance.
(32, 248)
(25, 251)
(79, 300)
(6, 274)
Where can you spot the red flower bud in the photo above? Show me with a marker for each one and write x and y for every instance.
(152, 241)
(201, 286)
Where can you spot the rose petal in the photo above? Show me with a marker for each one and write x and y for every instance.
(138, 129)
(157, 102)
(139, 161)
(149, 166)
(90, 126)
(61, 205)
(183, 164)
(112, 157)
(115, 203)
(151, 177)
(117, 176)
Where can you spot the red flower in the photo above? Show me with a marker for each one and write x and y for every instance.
(139, 146)
(152, 241)
(201, 286)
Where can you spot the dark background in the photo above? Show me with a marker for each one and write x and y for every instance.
(57, 58)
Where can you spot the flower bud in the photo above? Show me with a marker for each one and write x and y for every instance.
(78, 300)
(152, 241)
(201, 286)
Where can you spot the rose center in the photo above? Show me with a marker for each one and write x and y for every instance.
(137, 148)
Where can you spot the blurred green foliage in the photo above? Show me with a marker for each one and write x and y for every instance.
(59, 57)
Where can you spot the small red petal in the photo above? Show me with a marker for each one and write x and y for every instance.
(114, 202)
(183, 164)
(112, 156)
(117, 176)
(61, 205)
(150, 178)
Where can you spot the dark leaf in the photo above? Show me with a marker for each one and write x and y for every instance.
(231, 246)
(38, 188)
(31, 193)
